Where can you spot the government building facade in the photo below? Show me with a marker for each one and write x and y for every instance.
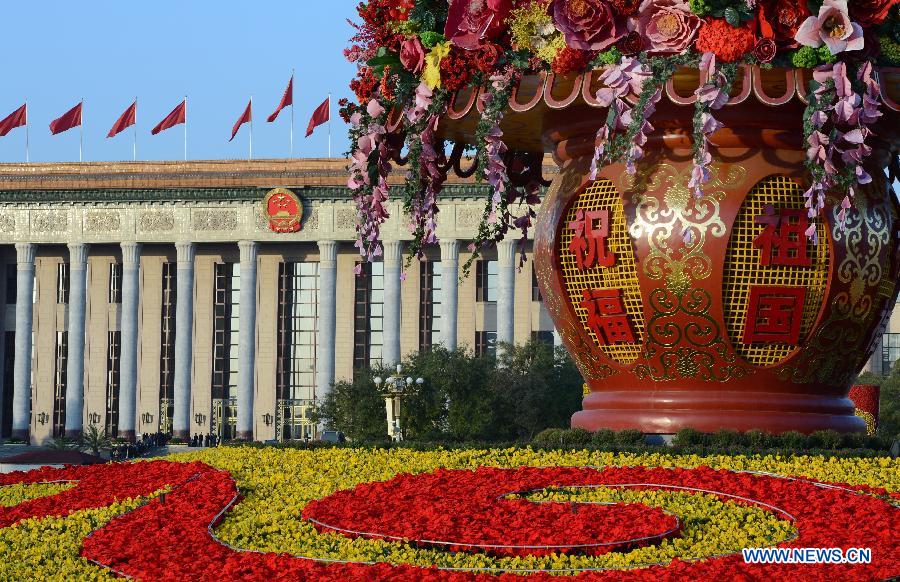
(181, 296)
(222, 296)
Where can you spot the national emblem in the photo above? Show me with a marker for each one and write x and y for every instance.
(283, 210)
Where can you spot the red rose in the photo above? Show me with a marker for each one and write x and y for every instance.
(784, 17)
(589, 25)
(412, 55)
(630, 44)
(870, 12)
(469, 22)
(765, 50)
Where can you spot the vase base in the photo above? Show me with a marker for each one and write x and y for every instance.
(666, 412)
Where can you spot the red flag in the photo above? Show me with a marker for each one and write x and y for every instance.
(66, 121)
(321, 115)
(245, 117)
(17, 118)
(127, 119)
(286, 99)
(178, 116)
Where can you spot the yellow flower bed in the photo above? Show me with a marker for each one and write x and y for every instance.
(11, 495)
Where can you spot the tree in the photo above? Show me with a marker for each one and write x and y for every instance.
(356, 408)
(539, 388)
(94, 439)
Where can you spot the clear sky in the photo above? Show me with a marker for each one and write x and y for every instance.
(55, 52)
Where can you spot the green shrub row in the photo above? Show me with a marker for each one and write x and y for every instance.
(689, 440)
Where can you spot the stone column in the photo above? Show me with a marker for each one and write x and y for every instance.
(184, 338)
(246, 340)
(393, 261)
(24, 323)
(128, 372)
(449, 291)
(506, 290)
(327, 316)
(75, 360)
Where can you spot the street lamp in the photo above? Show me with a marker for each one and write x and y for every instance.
(395, 386)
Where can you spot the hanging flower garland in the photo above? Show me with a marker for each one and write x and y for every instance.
(414, 55)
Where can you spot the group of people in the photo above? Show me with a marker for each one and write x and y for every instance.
(205, 440)
(147, 441)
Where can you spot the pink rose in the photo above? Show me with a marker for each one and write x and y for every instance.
(469, 22)
(412, 55)
(833, 28)
(588, 25)
(669, 25)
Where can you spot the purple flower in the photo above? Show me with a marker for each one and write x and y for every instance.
(832, 27)
(588, 25)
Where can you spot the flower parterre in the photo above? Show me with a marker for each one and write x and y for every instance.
(413, 55)
(276, 485)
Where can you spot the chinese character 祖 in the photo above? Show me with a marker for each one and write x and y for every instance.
(607, 317)
(783, 240)
(774, 314)
(589, 242)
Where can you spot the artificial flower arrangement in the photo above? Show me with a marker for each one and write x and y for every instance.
(415, 55)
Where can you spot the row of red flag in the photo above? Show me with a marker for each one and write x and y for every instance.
(72, 117)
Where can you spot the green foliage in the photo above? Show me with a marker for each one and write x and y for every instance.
(62, 443)
(603, 437)
(609, 57)
(537, 387)
(465, 397)
(807, 57)
(890, 51)
(826, 439)
(431, 39)
(758, 439)
(687, 437)
(429, 15)
(94, 440)
(726, 438)
(629, 437)
(356, 408)
(794, 440)
(735, 12)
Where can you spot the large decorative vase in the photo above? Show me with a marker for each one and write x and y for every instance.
(711, 312)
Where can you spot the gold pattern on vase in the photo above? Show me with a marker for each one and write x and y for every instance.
(862, 247)
(677, 227)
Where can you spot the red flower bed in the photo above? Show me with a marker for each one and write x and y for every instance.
(466, 511)
(170, 539)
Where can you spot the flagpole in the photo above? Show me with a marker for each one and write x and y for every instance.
(26, 131)
(329, 125)
(292, 114)
(134, 153)
(81, 134)
(185, 128)
(251, 127)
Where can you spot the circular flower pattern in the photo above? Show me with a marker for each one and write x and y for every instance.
(202, 529)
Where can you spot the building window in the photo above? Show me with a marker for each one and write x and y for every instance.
(115, 283)
(486, 281)
(226, 294)
(368, 314)
(543, 336)
(298, 297)
(167, 349)
(59, 383)
(62, 283)
(535, 289)
(430, 296)
(113, 353)
(890, 352)
(485, 343)
(11, 284)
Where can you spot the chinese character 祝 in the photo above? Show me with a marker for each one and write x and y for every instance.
(589, 241)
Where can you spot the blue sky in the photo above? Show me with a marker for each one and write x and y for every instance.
(217, 53)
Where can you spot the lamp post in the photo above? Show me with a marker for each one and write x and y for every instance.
(395, 386)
